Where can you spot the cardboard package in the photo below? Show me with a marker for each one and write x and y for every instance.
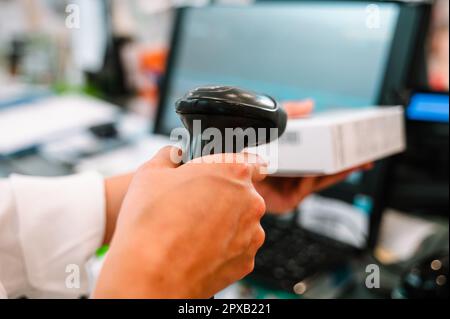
(331, 142)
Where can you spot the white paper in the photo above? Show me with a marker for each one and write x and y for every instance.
(125, 159)
(335, 219)
(401, 235)
(30, 124)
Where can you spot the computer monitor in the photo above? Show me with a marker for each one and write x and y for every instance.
(429, 107)
(419, 178)
(331, 51)
(325, 51)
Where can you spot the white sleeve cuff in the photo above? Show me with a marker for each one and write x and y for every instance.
(61, 225)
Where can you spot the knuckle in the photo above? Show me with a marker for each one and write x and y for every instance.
(260, 237)
(249, 266)
(259, 206)
(242, 170)
(146, 167)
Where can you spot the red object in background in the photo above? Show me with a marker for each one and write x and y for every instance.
(154, 60)
(152, 65)
(438, 82)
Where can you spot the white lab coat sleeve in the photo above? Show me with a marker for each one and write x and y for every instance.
(49, 229)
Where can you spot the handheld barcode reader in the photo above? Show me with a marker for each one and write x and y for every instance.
(225, 108)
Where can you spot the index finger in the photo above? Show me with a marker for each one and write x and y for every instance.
(251, 165)
(258, 166)
(324, 182)
(298, 109)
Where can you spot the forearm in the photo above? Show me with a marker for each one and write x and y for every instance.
(115, 191)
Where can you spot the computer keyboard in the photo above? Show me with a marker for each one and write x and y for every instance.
(292, 254)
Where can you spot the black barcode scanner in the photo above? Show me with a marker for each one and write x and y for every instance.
(228, 108)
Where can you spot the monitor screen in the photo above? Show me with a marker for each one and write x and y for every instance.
(429, 107)
(335, 53)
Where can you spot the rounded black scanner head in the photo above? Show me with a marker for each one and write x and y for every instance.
(226, 107)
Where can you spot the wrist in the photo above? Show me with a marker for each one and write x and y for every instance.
(115, 191)
(138, 270)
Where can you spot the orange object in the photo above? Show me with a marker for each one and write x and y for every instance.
(154, 61)
(152, 65)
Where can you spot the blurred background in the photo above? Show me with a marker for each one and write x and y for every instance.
(91, 85)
